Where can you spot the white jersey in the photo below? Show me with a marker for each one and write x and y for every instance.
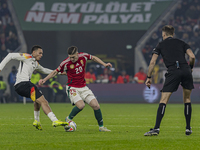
(26, 67)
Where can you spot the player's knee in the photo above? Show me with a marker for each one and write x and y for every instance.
(96, 106)
(187, 100)
(81, 106)
(42, 101)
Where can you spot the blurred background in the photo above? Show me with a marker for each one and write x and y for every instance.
(122, 32)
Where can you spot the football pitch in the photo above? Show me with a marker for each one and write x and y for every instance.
(128, 123)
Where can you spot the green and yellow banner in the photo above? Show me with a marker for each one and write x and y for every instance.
(79, 15)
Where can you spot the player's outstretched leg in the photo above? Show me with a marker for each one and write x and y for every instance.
(67, 119)
(37, 125)
(98, 115)
(47, 110)
(36, 122)
(99, 118)
(75, 111)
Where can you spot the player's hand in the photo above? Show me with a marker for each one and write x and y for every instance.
(41, 82)
(108, 65)
(148, 82)
(63, 73)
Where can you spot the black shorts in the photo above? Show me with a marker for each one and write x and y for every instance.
(28, 89)
(175, 77)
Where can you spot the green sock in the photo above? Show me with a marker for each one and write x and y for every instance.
(74, 112)
(98, 116)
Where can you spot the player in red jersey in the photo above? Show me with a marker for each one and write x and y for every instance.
(76, 88)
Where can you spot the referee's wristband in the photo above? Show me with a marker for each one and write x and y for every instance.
(149, 77)
(191, 66)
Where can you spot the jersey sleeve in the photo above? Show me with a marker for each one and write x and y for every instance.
(60, 68)
(43, 70)
(186, 46)
(15, 56)
(157, 50)
(87, 56)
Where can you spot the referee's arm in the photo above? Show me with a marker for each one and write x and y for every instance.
(150, 70)
(152, 64)
(192, 57)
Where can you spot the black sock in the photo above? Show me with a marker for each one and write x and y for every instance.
(160, 114)
(188, 112)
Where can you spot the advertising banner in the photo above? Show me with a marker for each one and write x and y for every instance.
(138, 93)
(44, 15)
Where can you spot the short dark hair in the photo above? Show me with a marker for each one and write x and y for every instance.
(35, 47)
(140, 68)
(72, 50)
(168, 29)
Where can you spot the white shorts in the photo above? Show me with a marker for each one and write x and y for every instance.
(77, 94)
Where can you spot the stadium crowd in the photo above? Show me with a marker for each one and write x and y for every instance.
(114, 77)
(186, 21)
(8, 33)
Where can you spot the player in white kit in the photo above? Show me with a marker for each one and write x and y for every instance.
(23, 86)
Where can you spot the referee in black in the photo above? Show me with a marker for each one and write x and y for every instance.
(173, 52)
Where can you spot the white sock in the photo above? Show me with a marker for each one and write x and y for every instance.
(52, 116)
(37, 115)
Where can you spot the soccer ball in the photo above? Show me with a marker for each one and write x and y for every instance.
(71, 127)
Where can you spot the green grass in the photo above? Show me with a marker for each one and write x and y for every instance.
(128, 123)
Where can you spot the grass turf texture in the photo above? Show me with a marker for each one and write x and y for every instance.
(128, 123)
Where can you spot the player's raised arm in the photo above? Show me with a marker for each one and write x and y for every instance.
(98, 60)
(51, 75)
(16, 56)
(43, 70)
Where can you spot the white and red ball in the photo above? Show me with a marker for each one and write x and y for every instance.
(71, 127)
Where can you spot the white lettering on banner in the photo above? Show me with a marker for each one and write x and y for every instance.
(38, 6)
(87, 7)
(116, 19)
(147, 18)
(135, 7)
(99, 8)
(73, 7)
(89, 18)
(125, 18)
(58, 7)
(113, 19)
(103, 19)
(148, 5)
(92, 7)
(48, 17)
(68, 18)
(124, 8)
(112, 7)
(137, 18)
(34, 16)
(108, 13)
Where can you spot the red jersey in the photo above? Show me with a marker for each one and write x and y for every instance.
(75, 71)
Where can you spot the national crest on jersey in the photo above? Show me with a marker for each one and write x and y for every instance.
(72, 66)
(75, 71)
(27, 56)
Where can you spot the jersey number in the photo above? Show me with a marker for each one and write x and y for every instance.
(78, 70)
